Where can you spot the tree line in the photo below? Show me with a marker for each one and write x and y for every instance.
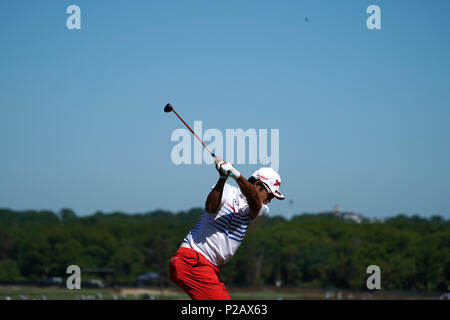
(315, 250)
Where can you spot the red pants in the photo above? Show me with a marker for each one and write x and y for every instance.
(197, 276)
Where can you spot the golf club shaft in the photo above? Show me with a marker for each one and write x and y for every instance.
(212, 154)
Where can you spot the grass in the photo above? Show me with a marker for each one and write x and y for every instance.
(249, 293)
(51, 293)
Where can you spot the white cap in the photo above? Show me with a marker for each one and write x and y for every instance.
(271, 179)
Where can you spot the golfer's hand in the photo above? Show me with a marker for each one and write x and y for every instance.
(227, 169)
(219, 161)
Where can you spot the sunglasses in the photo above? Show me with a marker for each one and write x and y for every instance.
(269, 192)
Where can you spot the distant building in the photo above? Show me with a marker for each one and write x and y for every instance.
(378, 220)
(336, 208)
(351, 216)
(150, 279)
(291, 209)
(53, 281)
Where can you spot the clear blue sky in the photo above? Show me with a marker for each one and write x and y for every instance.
(363, 115)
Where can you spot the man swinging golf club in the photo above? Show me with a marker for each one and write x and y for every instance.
(228, 212)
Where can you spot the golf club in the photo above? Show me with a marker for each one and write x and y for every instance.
(168, 108)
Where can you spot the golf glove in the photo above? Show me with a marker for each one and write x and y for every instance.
(229, 170)
(218, 161)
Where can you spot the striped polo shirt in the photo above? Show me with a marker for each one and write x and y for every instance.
(218, 236)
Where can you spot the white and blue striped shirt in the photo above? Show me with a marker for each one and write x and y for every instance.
(218, 236)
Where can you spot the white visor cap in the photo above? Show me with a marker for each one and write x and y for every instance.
(271, 179)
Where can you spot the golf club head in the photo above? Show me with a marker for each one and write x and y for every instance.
(168, 108)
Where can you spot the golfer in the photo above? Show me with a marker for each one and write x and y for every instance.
(228, 212)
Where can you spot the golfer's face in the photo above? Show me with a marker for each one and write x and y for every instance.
(268, 195)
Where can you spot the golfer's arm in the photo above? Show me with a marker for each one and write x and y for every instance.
(249, 191)
(215, 197)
